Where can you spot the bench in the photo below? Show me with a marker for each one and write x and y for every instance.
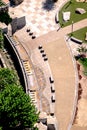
(40, 47)
(42, 51)
(33, 37)
(45, 59)
(76, 40)
(43, 55)
(53, 98)
(52, 89)
(51, 80)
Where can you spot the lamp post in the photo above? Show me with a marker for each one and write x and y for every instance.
(72, 27)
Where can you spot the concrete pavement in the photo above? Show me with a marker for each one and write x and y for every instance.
(65, 84)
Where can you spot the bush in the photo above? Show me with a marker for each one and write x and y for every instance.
(83, 61)
(5, 18)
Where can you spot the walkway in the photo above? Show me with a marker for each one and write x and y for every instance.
(62, 70)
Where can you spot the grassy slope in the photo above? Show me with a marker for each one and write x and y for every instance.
(74, 16)
(81, 34)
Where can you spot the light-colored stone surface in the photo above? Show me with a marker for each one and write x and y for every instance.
(78, 128)
(82, 113)
(64, 80)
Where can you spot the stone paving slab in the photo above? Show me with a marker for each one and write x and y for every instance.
(38, 19)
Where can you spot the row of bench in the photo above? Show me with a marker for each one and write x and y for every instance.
(52, 89)
(31, 33)
(42, 52)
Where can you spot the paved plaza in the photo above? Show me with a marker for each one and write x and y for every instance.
(40, 15)
(40, 19)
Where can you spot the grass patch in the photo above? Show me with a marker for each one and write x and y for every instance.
(71, 6)
(83, 61)
(80, 34)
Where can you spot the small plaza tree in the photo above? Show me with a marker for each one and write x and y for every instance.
(5, 18)
(82, 50)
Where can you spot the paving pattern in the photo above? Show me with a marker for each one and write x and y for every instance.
(40, 15)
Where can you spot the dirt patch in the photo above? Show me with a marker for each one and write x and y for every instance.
(81, 115)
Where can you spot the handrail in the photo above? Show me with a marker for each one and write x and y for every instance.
(19, 59)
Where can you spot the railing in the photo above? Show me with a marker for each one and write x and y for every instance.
(19, 59)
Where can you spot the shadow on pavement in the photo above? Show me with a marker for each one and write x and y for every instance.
(48, 5)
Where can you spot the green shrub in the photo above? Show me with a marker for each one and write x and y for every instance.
(83, 61)
(5, 18)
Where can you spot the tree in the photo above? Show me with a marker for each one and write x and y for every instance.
(82, 50)
(5, 18)
(7, 77)
(16, 109)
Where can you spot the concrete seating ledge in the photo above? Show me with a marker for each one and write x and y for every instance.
(76, 40)
(56, 18)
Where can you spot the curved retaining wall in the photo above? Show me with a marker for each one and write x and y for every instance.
(19, 59)
(62, 4)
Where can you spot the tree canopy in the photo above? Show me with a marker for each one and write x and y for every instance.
(5, 18)
(7, 77)
(16, 107)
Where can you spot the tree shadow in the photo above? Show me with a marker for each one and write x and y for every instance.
(48, 5)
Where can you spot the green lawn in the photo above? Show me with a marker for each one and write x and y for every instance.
(71, 6)
(80, 34)
(83, 61)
